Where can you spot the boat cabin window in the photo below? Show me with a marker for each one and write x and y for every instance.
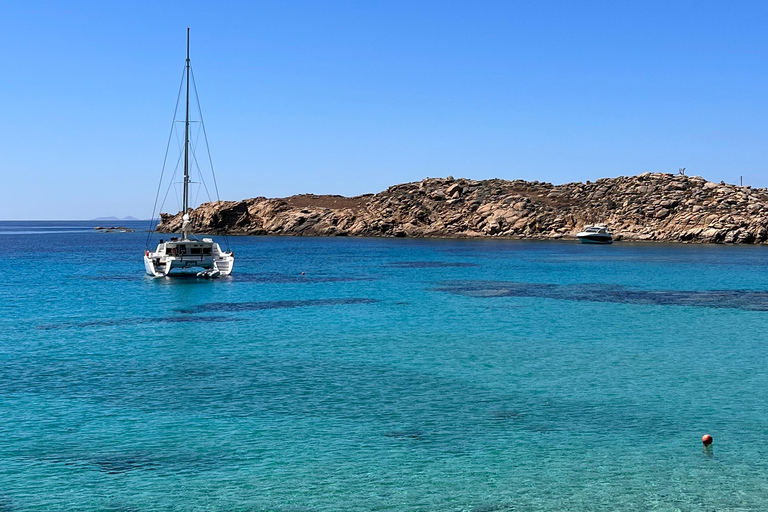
(194, 250)
(206, 250)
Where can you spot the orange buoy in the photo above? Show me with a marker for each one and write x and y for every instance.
(706, 439)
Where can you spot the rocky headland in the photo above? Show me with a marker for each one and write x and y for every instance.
(650, 206)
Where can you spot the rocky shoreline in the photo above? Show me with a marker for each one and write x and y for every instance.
(651, 206)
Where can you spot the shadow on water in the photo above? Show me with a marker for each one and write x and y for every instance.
(747, 300)
(137, 321)
(185, 278)
(273, 304)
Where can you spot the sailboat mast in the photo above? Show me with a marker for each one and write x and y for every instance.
(186, 143)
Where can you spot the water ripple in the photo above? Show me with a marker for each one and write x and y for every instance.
(273, 304)
(295, 278)
(136, 321)
(430, 264)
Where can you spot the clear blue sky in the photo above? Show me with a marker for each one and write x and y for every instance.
(351, 97)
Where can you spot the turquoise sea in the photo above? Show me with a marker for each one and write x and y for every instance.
(394, 375)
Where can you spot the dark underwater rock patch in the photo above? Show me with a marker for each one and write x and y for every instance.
(6, 505)
(185, 319)
(747, 300)
(115, 464)
(493, 507)
(507, 415)
(109, 463)
(136, 321)
(430, 264)
(273, 304)
(120, 507)
(271, 507)
(405, 434)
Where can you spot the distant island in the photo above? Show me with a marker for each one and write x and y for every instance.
(650, 206)
(116, 218)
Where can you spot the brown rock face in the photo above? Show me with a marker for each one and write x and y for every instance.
(651, 206)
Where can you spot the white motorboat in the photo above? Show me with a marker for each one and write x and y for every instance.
(595, 235)
(187, 252)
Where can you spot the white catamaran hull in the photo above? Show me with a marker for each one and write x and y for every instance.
(161, 268)
(188, 255)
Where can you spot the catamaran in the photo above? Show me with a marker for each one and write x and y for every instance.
(186, 252)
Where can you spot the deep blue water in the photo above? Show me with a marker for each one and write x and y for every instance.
(396, 374)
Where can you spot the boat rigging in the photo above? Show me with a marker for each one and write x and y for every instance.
(187, 252)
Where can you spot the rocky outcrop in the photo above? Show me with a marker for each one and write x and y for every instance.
(651, 206)
(112, 229)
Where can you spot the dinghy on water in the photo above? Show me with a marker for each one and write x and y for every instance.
(187, 252)
(211, 273)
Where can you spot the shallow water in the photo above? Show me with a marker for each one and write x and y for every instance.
(428, 375)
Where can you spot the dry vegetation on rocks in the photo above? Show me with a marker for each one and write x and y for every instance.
(651, 206)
